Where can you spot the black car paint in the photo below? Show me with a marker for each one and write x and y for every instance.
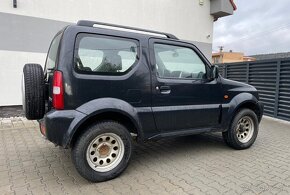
(193, 106)
(189, 99)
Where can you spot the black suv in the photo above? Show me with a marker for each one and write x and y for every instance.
(104, 84)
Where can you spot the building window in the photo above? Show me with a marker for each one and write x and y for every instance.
(216, 60)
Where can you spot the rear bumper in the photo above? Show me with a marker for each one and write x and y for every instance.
(58, 126)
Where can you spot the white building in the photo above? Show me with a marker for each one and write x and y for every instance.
(27, 27)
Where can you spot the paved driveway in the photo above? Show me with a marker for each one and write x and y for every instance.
(200, 164)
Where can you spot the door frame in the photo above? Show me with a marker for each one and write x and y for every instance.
(156, 79)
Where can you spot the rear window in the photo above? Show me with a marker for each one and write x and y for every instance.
(52, 53)
(104, 55)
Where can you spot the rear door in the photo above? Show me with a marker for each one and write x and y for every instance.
(182, 96)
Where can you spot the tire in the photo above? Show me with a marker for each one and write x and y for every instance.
(93, 146)
(243, 130)
(33, 99)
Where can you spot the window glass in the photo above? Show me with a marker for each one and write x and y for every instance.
(178, 62)
(90, 58)
(52, 53)
(216, 60)
(128, 58)
(104, 55)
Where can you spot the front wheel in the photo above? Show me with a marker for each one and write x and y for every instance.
(243, 131)
(103, 151)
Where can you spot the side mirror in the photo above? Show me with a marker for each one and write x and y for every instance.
(214, 72)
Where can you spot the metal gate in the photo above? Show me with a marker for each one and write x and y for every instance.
(270, 77)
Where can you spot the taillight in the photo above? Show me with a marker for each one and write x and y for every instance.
(57, 91)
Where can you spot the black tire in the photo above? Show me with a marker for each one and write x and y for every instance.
(33, 97)
(83, 142)
(231, 137)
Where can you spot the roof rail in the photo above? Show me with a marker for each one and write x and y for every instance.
(92, 23)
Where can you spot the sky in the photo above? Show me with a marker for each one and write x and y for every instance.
(257, 27)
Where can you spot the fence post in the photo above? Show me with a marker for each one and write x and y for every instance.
(247, 72)
(225, 71)
(276, 105)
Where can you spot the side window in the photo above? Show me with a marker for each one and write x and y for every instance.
(104, 55)
(52, 53)
(178, 62)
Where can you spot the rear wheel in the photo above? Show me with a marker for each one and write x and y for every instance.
(103, 151)
(33, 91)
(243, 130)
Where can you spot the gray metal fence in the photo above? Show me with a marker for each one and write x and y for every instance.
(270, 77)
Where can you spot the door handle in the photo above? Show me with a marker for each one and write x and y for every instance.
(165, 90)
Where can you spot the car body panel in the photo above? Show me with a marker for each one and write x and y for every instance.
(193, 106)
(191, 103)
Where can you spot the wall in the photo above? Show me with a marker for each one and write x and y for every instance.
(27, 30)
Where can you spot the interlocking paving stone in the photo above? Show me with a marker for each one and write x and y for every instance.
(200, 164)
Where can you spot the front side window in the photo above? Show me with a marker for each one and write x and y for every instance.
(105, 55)
(178, 62)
